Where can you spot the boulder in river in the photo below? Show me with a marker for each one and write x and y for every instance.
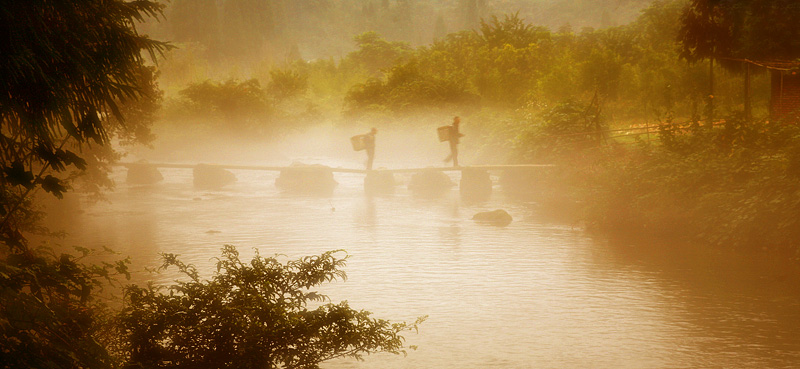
(210, 177)
(430, 183)
(497, 217)
(308, 179)
(143, 174)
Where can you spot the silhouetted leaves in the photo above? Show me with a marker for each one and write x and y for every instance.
(68, 67)
(743, 29)
(251, 315)
(16, 175)
(53, 185)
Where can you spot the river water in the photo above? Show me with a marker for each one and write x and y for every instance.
(534, 294)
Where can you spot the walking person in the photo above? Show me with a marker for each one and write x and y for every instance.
(369, 146)
(454, 138)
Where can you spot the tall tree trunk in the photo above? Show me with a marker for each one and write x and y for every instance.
(710, 93)
(747, 106)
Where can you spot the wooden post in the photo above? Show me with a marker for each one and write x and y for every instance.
(710, 93)
(747, 106)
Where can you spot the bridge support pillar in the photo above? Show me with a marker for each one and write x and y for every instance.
(143, 174)
(209, 177)
(430, 183)
(307, 179)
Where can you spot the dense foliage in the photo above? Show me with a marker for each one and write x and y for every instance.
(741, 29)
(250, 315)
(61, 90)
(50, 316)
(733, 186)
(70, 73)
(634, 70)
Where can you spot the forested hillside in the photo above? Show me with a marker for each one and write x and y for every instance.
(311, 29)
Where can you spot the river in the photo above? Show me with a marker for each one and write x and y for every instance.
(534, 294)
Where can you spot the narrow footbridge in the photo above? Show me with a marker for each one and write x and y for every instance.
(475, 179)
(344, 170)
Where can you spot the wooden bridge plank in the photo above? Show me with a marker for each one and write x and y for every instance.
(347, 170)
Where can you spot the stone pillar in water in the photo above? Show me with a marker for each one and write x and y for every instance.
(209, 177)
(430, 183)
(143, 174)
(308, 179)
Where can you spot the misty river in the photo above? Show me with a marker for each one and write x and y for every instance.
(537, 293)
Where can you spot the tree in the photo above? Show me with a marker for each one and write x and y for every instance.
(753, 29)
(66, 66)
(706, 30)
(230, 100)
(376, 54)
(68, 69)
(251, 315)
(732, 31)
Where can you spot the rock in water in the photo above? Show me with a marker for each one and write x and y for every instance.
(143, 174)
(430, 183)
(307, 179)
(209, 177)
(497, 217)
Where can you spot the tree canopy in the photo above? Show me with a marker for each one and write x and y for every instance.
(751, 29)
(70, 72)
(68, 66)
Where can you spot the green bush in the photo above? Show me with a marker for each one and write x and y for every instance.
(287, 83)
(407, 88)
(566, 129)
(251, 315)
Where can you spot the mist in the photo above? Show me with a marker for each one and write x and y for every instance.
(400, 184)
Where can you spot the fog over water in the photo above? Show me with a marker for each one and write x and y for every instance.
(538, 293)
(592, 134)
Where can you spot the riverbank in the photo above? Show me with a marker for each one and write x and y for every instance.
(734, 186)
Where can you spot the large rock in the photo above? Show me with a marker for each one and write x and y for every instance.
(308, 179)
(143, 174)
(210, 177)
(497, 217)
(430, 182)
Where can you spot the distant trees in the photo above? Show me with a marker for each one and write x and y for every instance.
(508, 62)
(231, 99)
(376, 54)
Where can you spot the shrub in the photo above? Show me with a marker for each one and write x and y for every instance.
(251, 315)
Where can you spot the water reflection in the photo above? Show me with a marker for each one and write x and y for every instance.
(737, 309)
(535, 293)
